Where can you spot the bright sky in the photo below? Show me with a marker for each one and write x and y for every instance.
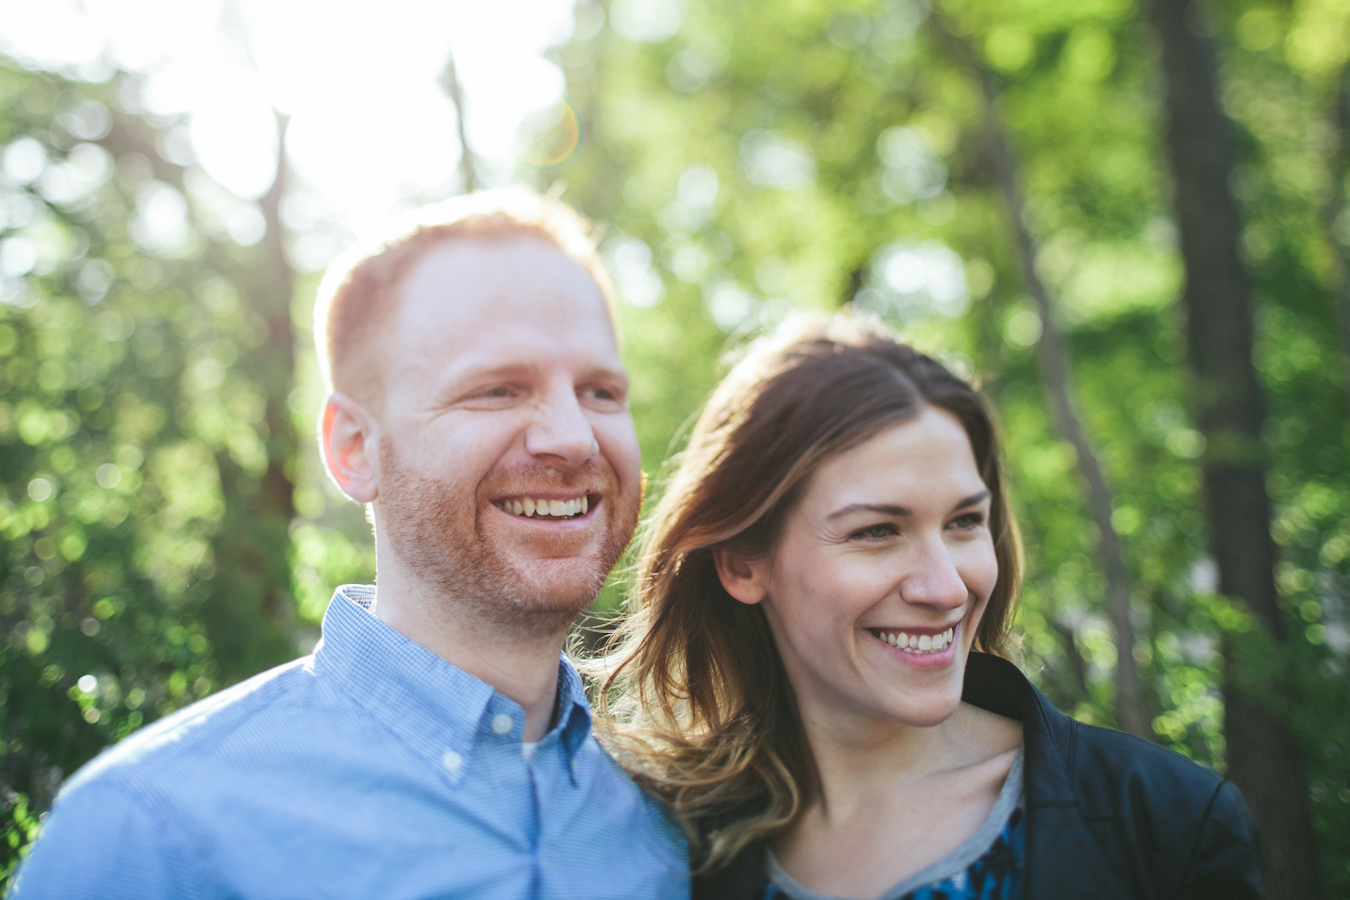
(371, 131)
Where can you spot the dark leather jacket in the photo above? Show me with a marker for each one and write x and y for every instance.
(1109, 816)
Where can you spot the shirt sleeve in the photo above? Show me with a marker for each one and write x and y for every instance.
(1226, 861)
(100, 841)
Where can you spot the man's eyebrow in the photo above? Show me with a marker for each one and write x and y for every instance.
(900, 512)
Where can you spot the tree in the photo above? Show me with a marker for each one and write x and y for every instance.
(127, 428)
(1264, 758)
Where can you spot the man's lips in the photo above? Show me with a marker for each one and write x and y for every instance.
(548, 506)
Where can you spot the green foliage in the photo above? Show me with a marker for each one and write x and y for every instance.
(130, 424)
(769, 156)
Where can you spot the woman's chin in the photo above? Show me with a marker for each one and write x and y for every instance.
(924, 712)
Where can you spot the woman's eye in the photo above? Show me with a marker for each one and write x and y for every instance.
(969, 520)
(876, 532)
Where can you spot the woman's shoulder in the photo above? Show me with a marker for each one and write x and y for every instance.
(1111, 767)
(1105, 774)
(741, 879)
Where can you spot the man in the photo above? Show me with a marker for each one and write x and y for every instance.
(434, 745)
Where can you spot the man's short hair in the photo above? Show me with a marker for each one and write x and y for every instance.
(359, 292)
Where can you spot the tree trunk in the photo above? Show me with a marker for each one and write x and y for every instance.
(1338, 219)
(1052, 359)
(468, 174)
(1263, 754)
(251, 620)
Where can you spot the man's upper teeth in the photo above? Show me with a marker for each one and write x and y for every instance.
(924, 643)
(528, 506)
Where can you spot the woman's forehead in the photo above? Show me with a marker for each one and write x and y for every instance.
(926, 453)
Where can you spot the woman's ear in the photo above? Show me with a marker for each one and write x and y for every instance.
(743, 579)
(347, 437)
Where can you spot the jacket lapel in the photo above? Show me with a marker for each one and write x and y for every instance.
(1063, 859)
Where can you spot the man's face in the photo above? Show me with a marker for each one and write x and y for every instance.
(508, 468)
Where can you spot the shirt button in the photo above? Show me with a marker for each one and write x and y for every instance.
(502, 724)
(452, 761)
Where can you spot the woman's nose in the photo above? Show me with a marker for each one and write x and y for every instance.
(934, 579)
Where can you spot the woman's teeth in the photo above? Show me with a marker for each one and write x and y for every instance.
(557, 509)
(917, 643)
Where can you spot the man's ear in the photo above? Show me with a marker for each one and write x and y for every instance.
(349, 441)
(744, 580)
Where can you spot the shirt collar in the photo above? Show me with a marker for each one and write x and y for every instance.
(436, 708)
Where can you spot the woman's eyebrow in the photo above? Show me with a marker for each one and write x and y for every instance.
(973, 499)
(899, 512)
(886, 509)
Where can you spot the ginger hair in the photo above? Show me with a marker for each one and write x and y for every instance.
(360, 290)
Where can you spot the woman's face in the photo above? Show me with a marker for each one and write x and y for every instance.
(879, 579)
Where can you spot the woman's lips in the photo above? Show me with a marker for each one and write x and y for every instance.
(925, 649)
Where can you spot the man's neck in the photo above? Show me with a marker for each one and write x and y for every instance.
(516, 663)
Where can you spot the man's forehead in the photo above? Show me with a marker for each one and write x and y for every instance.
(477, 275)
(492, 297)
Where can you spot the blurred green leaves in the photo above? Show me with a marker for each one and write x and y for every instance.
(768, 156)
(127, 318)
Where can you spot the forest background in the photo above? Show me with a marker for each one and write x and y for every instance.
(1127, 221)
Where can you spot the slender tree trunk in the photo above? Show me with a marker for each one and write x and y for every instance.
(1263, 754)
(1052, 359)
(251, 619)
(276, 296)
(1338, 218)
(468, 173)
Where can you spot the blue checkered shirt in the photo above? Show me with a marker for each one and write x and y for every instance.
(372, 768)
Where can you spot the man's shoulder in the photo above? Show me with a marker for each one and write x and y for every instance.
(260, 709)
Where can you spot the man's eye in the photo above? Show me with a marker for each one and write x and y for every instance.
(605, 395)
(497, 392)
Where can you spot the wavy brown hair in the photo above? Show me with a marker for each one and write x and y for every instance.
(695, 700)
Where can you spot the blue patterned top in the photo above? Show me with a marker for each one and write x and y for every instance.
(372, 769)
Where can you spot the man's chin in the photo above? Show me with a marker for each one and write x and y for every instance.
(559, 586)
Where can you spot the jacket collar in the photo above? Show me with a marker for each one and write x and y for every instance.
(1061, 854)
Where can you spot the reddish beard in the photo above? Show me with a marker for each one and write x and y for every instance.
(436, 528)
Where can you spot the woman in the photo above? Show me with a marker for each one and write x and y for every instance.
(810, 671)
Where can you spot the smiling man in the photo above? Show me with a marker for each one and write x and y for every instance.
(436, 744)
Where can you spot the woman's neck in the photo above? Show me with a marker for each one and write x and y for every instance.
(862, 759)
(893, 799)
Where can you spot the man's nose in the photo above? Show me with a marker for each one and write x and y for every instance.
(561, 430)
(934, 579)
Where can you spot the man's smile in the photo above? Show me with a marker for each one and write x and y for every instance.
(547, 509)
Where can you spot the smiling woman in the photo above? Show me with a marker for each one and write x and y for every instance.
(810, 671)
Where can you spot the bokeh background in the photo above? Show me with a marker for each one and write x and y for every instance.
(1127, 220)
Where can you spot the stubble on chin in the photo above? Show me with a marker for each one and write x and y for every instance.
(435, 529)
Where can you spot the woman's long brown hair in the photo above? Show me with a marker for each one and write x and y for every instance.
(695, 700)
